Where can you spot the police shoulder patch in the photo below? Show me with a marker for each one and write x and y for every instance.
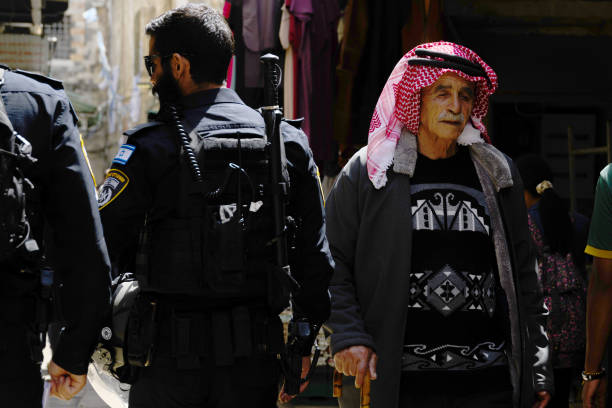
(113, 185)
(124, 154)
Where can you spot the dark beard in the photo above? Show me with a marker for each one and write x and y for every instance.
(167, 88)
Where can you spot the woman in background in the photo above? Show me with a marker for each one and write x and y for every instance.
(560, 239)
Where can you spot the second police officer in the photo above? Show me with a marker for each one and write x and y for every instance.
(48, 207)
(209, 332)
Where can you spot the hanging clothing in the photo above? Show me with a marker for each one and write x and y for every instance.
(317, 22)
(288, 72)
(295, 39)
(251, 44)
(424, 25)
(382, 50)
(349, 58)
(302, 11)
(259, 28)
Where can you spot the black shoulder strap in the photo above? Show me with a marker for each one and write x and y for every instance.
(4, 119)
(15, 144)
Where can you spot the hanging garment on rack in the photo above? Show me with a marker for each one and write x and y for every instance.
(317, 22)
(288, 72)
(302, 12)
(349, 58)
(382, 50)
(259, 30)
(247, 68)
(425, 24)
(295, 39)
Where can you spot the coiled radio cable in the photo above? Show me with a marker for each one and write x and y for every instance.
(188, 152)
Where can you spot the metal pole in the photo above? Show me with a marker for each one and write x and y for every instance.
(572, 169)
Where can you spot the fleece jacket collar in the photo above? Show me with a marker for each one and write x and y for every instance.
(492, 161)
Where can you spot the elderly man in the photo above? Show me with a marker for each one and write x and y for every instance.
(435, 292)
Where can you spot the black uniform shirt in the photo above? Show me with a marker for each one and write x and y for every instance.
(40, 111)
(144, 177)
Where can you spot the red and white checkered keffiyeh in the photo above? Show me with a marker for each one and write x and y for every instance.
(400, 101)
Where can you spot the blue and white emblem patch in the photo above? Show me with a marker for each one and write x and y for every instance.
(124, 154)
(116, 181)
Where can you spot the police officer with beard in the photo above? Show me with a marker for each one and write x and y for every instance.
(207, 338)
(63, 224)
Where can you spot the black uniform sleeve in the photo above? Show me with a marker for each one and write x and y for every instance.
(75, 241)
(124, 198)
(312, 264)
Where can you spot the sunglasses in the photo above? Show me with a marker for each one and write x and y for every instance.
(150, 65)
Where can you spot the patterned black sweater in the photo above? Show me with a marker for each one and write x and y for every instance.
(454, 321)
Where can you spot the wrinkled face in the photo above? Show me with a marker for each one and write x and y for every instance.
(446, 107)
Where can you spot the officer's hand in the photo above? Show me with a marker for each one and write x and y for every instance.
(357, 361)
(594, 393)
(542, 399)
(64, 384)
(282, 395)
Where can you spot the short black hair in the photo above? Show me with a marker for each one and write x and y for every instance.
(200, 34)
(557, 226)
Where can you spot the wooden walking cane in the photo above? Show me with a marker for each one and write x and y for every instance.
(337, 387)
(364, 398)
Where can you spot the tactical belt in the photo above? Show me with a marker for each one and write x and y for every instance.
(220, 335)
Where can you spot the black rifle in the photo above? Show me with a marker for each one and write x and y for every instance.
(279, 176)
(301, 333)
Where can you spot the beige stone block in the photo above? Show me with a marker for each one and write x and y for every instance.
(74, 31)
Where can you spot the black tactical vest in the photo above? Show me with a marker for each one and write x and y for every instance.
(220, 246)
